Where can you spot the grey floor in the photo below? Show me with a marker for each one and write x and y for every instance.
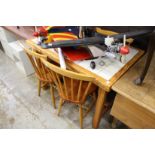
(20, 107)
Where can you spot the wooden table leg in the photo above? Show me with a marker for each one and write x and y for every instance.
(99, 107)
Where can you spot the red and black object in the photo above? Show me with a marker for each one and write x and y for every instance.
(45, 30)
(42, 32)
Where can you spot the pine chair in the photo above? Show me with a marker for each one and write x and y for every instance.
(41, 72)
(72, 87)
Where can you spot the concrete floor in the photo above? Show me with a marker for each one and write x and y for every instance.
(20, 107)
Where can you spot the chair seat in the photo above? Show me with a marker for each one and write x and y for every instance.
(93, 87)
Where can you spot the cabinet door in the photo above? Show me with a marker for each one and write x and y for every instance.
(132, 114)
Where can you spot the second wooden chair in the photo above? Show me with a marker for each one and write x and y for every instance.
(72, 87)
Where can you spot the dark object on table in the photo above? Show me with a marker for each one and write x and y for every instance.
(92, 65)
(61, 29)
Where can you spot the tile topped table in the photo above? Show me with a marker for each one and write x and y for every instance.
(102, 82)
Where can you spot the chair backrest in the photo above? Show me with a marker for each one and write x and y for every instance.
(71, 86)
(40, 69)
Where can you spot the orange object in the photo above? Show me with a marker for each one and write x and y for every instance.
(72, 53)
(63, 36)
(79, 53)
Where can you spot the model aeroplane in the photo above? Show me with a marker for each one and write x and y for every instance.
(112, 43)
(46, 40)
(67, 38)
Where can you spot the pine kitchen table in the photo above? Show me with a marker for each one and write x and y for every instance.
(105, 76)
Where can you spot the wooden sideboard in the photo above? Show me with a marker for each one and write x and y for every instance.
(135, 105)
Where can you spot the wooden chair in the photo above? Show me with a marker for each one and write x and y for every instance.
(41, 72)
(72, 87)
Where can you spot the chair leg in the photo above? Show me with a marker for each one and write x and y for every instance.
(92, 104)
(94, 96)
(52, 96)
(60, 106)
(88, 110)
(39, 87)
(114, 123)
(81, 116)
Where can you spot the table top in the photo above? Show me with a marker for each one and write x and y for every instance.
(100, 81)
(143, 95)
